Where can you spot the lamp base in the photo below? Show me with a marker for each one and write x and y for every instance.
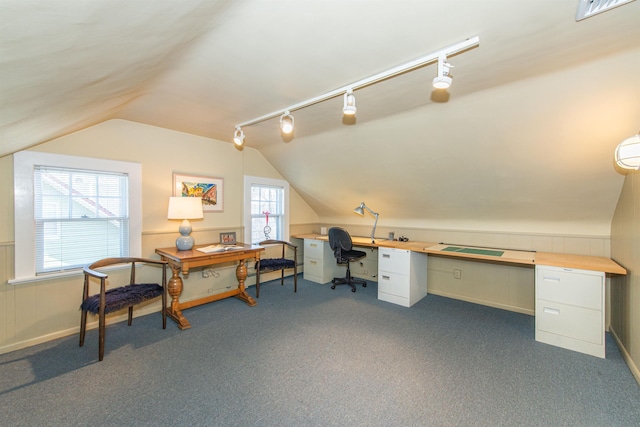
(184, 243)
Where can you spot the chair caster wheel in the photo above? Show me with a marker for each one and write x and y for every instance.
(364, 285)
(353, 290)
(333, 286)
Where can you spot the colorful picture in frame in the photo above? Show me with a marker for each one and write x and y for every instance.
(228, 238)
(210, 190)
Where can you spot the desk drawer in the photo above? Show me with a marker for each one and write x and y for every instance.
(313, 248)
(581, 288)
(394, 284)
(569, 321)
(394, 260)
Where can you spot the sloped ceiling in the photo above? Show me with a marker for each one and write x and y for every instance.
(523, 140)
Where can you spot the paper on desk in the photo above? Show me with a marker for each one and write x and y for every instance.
(218, 248)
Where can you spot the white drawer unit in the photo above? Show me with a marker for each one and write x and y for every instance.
(319, 262)
(570, 309)
(402, 276)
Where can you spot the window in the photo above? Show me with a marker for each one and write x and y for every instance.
(80, 216)
(266, 198)
(71, 211)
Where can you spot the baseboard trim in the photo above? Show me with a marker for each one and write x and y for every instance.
(484, 302)
(76, 329)
(626, 356)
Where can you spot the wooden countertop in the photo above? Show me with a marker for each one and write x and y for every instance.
(583, 262)
(580, 261)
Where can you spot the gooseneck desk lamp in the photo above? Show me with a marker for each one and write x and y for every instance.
(185, 208)
(360, 211)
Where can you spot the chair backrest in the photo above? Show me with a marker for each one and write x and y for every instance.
(339, 240)
(284, 245)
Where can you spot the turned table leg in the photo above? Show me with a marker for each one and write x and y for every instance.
(174, 288)
(241, 274)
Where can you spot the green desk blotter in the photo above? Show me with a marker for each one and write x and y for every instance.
(473, 251)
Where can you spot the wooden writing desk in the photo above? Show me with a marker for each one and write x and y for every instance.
(182, 261)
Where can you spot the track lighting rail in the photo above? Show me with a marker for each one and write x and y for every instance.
(411, 65)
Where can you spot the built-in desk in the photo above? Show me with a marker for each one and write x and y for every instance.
(569, 289)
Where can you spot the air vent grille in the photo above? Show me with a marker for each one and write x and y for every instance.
(588, 8)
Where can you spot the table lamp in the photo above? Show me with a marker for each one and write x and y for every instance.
(360, 211)
(185, 208)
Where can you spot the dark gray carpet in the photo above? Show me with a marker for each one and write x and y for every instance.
(320, 357)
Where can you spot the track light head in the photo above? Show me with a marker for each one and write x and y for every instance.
(286, 122)
(442, 80)
(238, 136)
(349, 108)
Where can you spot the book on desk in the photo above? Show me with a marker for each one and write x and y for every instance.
(218, 248)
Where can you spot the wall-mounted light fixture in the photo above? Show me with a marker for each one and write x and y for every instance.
(360, 211)
(628, 153)
(443, 75)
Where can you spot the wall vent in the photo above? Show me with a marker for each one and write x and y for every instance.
(588, 8)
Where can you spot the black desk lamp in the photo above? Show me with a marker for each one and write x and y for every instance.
(360, 211)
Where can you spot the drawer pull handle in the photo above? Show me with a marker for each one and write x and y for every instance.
(385, 277)
(551, 279)
(386, 256)
(313, 245)
(313, 262)
(551, 310)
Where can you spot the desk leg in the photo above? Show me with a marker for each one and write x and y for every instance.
(175, 289)
(241, 274)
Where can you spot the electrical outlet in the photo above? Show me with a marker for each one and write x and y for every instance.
(457, 273)
(209, 272)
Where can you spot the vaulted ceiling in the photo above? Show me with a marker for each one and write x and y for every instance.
(523, 139)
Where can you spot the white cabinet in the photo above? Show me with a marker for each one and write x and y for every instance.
(570, 309)
(319, 262)
(402, 276)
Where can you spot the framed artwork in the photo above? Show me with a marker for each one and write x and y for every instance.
(210, 190)
(228, 238)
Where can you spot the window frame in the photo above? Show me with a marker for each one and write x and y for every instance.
(24, 163)
(249, 181)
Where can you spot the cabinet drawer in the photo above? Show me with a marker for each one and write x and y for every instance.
(576, 287)
(313, 248)
(569, 321)
(313, 266)
(394, 284)
(394, 260)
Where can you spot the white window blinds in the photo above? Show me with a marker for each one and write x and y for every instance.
(80, 216)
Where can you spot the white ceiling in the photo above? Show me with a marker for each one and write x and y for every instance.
(523, 139)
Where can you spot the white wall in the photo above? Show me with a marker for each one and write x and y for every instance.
(43, 310)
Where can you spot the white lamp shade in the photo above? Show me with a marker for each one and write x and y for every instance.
(628, 153)
(185, 208)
